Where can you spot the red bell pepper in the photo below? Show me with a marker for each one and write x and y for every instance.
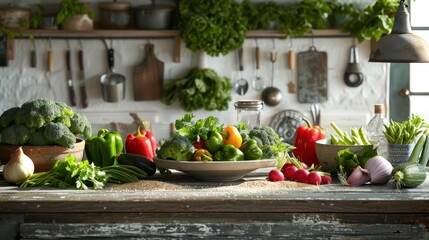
(152, 139)
(140, 143)
(305, 143)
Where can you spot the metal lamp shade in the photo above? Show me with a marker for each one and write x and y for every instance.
(401, 46)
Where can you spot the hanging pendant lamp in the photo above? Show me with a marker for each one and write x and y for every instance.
(401, 45)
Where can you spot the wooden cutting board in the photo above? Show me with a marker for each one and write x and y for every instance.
(312, 67)
(149, 77)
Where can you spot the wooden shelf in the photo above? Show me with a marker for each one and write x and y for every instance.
(124, 34)
(141, 34)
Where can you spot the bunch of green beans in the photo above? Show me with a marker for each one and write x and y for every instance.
(121, 173)
(357, 136)
(405, 132)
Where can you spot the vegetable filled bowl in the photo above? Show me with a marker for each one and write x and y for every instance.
(44, 157)
(327, 152)
(222, 171)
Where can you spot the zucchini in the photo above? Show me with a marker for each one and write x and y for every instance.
(415, 154)
(408, 175)
(425, 153)
(142, 162)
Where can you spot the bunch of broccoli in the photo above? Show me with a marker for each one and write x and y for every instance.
(43, 122)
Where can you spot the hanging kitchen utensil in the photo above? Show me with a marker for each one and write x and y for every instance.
(290, 58)
(33, 55)
(4, 60)
(258, 82)
(312, 76)
(241, 85)
(112, 84)
(149, 77)
(69, 76)
(353, 77)
(81, 62)
(315, 113)
(51, 57)
(272, 95)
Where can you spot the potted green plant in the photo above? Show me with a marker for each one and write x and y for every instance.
(305, 16)
(75, 16)
(401, 137)
(212, 26)
(269, 15)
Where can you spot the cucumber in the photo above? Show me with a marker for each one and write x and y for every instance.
(139, 161)
(415, 154)
(425, 153)
(408, 175)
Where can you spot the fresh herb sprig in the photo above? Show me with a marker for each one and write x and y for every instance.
(405, 132)
(69, 173)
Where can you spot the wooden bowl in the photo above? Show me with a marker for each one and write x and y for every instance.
(44, 157)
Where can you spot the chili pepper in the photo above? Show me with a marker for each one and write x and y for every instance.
(305, 143)
(232, 136)
(202, 155)
(139, 143)
(228, 153)
(251, 150)
(101, 149)
(214, 142)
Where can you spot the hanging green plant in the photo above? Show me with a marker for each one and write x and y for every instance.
(374, 21)
(215, 27)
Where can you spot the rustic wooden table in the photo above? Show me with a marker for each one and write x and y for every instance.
(177, 206)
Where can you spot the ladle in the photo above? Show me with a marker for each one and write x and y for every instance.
(272, 95)
(241, 85)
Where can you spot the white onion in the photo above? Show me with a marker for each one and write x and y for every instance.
(358, 177)
(380, 170)
(18, 168)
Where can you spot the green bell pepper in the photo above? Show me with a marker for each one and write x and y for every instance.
(228, 153)
(214, 142)
(102, 148)
(251, 150)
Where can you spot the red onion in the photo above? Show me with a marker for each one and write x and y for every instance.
(380, 170)
(358, 177)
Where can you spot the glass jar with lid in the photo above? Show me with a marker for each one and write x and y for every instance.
(249, 112)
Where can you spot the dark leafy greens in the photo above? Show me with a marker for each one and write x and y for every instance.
(194, 130)
(215, 27)
(201, 88)
(347, 160)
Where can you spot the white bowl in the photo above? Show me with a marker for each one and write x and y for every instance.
(326, 152)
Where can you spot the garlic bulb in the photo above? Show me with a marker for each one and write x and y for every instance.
(18, 168)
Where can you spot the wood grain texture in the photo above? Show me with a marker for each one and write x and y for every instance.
(149, 77)
(177, 206)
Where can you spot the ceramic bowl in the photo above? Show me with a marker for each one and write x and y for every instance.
(44, 157)
(327, 152)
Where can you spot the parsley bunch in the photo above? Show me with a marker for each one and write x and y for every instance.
(69, 173)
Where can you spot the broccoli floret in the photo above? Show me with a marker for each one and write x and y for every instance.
(34, 114)
(38, 138)
(264, 135)
(67, 140)
(177, 148)
(64, 119)
(60, 134)
(8, 117)
(65, 109)
(15, 135)
(80, 125)
(269, 141)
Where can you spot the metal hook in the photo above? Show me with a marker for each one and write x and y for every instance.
(312, 38)
(80, 44)
(49, 43)
(68, 44)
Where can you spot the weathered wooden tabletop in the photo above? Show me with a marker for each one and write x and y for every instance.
(178, 206)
